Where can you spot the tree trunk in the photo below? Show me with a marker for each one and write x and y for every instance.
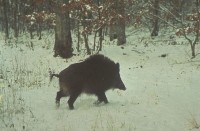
(155, 18)
(15, 13)
(112, 31)
(78, 36)
(86, 44)
(94, 45)
(193, 50)
(5, 11)
(113, 23)
(31, 31)
(117, 25)
(121, 23)
(101, 27)
(85, 33)
(121, 37)
(39, 31)
(193, 44)
(63, 40)
(100, 39)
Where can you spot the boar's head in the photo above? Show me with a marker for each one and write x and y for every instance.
(117, 82)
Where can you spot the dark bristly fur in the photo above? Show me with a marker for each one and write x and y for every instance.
(95, 75)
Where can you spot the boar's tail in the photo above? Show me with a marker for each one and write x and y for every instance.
(52, 75)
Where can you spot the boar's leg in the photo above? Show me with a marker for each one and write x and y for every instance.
(60, 94)
(101, 98)
(104, 98)
(72, 99)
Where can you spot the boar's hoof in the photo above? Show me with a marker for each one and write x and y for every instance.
(71, 107)
(106, 102)
(97, 102)
(57, 104)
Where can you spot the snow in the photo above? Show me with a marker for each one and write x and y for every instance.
(162, 92)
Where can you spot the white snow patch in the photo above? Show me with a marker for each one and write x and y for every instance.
(162, 92)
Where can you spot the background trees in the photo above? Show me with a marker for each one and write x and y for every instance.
(155, 14)
(190, 26)
(5, 17)
(63, 39)
(97, 18)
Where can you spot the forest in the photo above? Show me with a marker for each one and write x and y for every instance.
(156, 43)
(98, 18)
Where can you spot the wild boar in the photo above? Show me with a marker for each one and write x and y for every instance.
(95, 75)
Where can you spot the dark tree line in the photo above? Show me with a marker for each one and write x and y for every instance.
(96, 17)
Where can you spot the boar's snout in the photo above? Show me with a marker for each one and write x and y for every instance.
(119, 83)
(122, 86)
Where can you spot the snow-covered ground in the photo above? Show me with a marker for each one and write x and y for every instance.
(163, 93)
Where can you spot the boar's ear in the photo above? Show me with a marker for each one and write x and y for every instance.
(117, 65)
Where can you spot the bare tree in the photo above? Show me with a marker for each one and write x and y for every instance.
(191, 27)
(117, 23)
(121, 37)
(100, 30)
(155, 18)
(85, 28)
(16, 22)
(5, 11)
(63, 40)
